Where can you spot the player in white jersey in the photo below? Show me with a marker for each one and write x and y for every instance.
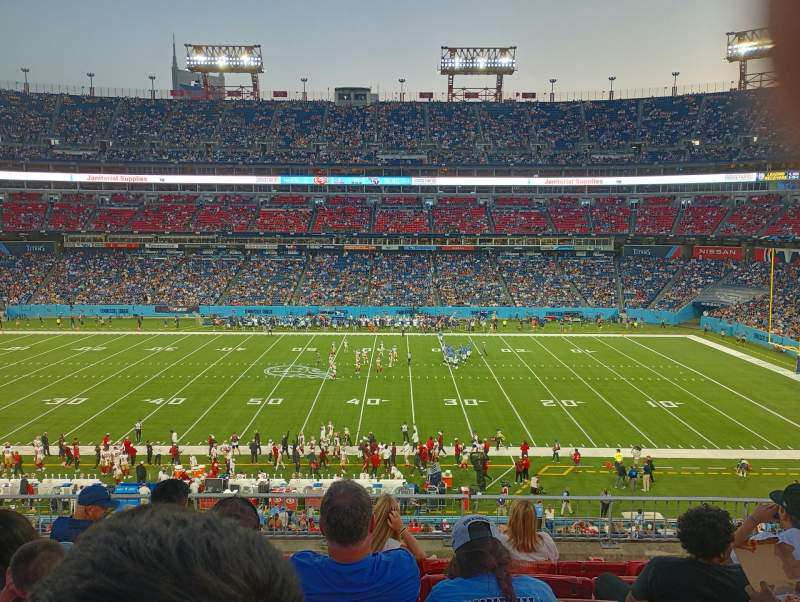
(344, 342)
(333, 347)
(321, 433)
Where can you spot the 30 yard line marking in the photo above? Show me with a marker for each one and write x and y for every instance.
(410, 383)
(366, 385)
(697, 397)
(275, 388)
(143, 383)
(724, 386)
(550, 392)
(596, 392)
(48, 365)
(225, 392)
(319, 391)
(647, 395)
(460, 400)
(508, 399)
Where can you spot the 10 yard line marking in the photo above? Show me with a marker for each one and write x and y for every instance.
(552, 395)
(460, 400)
(27, 374)
(508, 399)
(319, 391)
(366, 385)
(225, 392)
(275, 388)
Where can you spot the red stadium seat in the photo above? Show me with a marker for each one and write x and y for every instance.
(585, 568)
(426, 585)
(434, 566)
(566, 587)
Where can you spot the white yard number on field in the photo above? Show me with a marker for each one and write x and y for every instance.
(370, 401)
(272, 401)
(15, 348)
(171, 401)
(90, 349)
(664, 403)
(70, 401)
(583, 351)
(298, 349)
(161, 349)
(467, 402)
(567, 403)
(230, 349)
(507, 350)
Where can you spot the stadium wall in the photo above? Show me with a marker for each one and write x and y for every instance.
(753, 335)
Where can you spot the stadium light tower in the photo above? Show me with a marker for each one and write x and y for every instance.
(304, 80)
(498, 61)
(402, 81)
(25, 87)
(152, 79)
(675, 75)
(748, 45)
(225, 58)
(90, 75)
(611, 80)
(553, 81)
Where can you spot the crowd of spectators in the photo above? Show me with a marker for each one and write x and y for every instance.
(534, 281)
(83, 120)
(644, 277)
(265, 280)
(400, 279)
(595, 279)
(334, 279)
(21, 275)
(468, 279)
(696, 276)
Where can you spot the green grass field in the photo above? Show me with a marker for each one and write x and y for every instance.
(591, 392)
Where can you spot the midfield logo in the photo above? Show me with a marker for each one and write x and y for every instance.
(289, 371)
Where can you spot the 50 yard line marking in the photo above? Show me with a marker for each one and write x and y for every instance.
(508, 399)
(550, 392)
(319, 391)
(366, 384)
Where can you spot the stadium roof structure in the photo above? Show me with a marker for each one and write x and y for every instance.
(226, 58)
(497, 61)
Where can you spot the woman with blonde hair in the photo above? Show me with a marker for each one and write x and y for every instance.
(389, 532)
(522, 537)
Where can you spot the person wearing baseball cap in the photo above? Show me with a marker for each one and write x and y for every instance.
(479, 569)
(94, 502)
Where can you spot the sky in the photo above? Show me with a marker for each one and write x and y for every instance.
(373, 43)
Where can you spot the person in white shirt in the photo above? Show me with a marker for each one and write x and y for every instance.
(522, 537)
(173, 437)
(406, 453)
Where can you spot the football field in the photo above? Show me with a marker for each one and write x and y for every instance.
(591, 391)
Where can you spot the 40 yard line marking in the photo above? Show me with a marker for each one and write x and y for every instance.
(508, 399)
(550, 392)
(366, 384)
(319, 391)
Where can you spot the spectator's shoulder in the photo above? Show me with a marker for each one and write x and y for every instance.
(306, 558)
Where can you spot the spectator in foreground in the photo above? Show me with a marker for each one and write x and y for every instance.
(171, 491)
(390, 533)
(31, 562)
(15, 531)
(522, 537)
(351, 571)
(706, 533)
(94, 502)
(480, 566)
(162, 552)
(240, 510)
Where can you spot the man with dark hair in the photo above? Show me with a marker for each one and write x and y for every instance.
(94, 502)
(351, 571)
(240, 510)
(30, 563)
(706, 533)
(171, 491)
(15, 531)
(168, 553)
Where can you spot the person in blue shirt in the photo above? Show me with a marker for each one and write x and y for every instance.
(94, 502)
(479, 569)
(351, 571)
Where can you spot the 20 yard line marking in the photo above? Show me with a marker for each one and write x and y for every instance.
(549, 392)
(366, 385)
(319, 391)
(508, 399)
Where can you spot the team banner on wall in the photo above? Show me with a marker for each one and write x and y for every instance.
(23, 247)
(717, 253)
(787, 255)
(659, 251)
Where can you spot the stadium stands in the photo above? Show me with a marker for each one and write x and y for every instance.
(334, 279)
(750, 217)
(534, 282)
(788, 225)
(468, 279)
(24, 212)
(22, 275)
(265, 280)
(703, 216)
(644, 277)
(226, 214)
(611, 216)
(697, 275)
(594, 278)
(655, 215)
(400, 279)
(569, 216)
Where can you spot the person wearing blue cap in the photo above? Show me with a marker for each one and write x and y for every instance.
(479, 569)
(94, 502)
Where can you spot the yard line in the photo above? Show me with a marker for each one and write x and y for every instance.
(143, 383)
(24, 336)
(275, 388)
(48, 351)
(8, 405)
(648, 396)
(225, 392)
(410, 383)
(366, 384)
(500, 477)
(703, 401)
(319, 391)
(460, 400)
(724, 386)
(549, 392)
(27, 374)
(600, 395)
(508, 399)
(163, 404)
(35, 418)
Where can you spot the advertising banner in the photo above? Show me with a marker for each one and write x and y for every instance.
(717, 253)
(658, 251)
(23, 247)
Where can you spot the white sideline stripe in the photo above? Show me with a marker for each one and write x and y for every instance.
(600, 395)
(192, 380)
(49, 365)
(275, 388)
(366, 386)
(508, 399)
(460, 402)
(392, 333)
(698, 398)
(140, 385)
(606, 453)
(500, 477)
(225, 392)
(549, 392)
(747, 357)
(25, 336)
(319, 391)
(647, 395)
(724, 386)
(54, 408)
(410, 383)
(50, 384)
